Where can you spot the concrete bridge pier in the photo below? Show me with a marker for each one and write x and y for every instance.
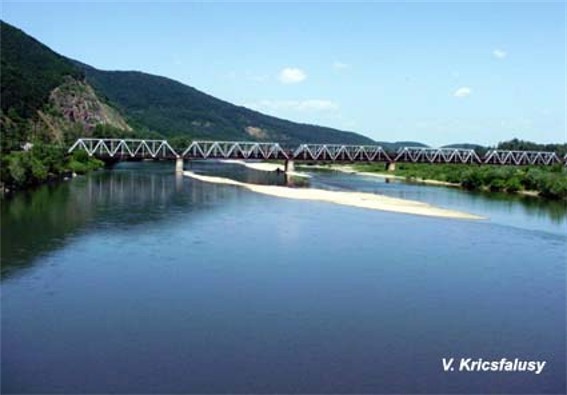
(179, 165)
(391, 166)
(289, 166)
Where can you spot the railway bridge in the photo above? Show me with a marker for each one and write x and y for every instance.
(129, 149)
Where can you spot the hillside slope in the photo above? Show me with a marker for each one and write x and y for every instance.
(171, 108)
(44, 95)
(35, 79)
(30, 71)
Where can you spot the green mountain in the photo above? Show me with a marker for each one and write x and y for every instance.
(45, 97)
(30, 71)
(171, 108)
(60, 99)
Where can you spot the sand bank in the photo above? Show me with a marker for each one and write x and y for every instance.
(354, 199)
(263, 166)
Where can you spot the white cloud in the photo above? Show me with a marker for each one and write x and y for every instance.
(291, 75)
(311, 105)
(338, 65)
(463, 92)
(499, 53)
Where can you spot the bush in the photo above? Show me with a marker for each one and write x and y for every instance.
(471, 179)
(497, 184)
(77, 167)
(513, 184)
(25, 168)
(38, 170)
(18, 168)
(51, 156)
(553, 186)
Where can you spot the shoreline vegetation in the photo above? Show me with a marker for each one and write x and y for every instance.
(353, 199)
(540, 181)
(42, 163)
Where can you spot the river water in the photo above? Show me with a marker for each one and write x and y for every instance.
(137, 281)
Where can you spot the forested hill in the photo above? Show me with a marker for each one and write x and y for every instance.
(171, 108)
(45, 97)
(41, 87)
(45, 105)
(30, 71)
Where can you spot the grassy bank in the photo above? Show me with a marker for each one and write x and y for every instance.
(41, 163)
(547, 181)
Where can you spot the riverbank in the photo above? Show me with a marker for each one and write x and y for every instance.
(353, 199)
(43, 163)
(351, 170)
(548, 182)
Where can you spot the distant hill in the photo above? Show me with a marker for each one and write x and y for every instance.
(172, 108)
(46, 92)
(465, 146)
(392, 147)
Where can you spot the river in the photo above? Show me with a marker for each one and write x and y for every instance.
(136, 280)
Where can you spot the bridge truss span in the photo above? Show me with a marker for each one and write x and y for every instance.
(519, 158)
(161, 149)
(235, 150)
(340, 153)
(437, 155)
(125, 148)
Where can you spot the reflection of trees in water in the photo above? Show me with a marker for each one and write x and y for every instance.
(39, 221)
(125, 199)
(554, 210)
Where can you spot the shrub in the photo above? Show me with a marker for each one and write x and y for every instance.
(513, 184)
(471, 179)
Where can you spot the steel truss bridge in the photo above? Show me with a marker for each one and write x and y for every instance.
(124, 149)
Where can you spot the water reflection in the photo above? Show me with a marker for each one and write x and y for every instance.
(138, 194)
(133, 194)
(38, 221)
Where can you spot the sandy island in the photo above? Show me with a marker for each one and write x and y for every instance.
(263, 166)
(354, 199)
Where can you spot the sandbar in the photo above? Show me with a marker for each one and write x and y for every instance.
(354, 199)
(263, 166)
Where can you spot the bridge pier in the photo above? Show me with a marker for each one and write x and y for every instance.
(391, 166)
(179, 165)
(289, 166)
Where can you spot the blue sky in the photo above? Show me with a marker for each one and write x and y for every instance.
(436, 72)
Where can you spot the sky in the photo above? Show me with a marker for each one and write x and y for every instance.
(435, 72)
